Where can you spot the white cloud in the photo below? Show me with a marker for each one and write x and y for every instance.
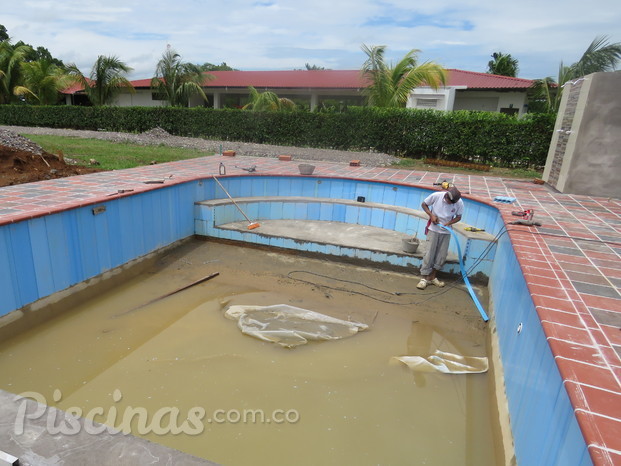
(286, 34)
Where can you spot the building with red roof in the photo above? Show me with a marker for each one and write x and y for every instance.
(464, 90)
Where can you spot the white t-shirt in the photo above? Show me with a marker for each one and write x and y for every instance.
(445, 211)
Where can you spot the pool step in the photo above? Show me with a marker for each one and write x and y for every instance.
(333, 238)
(337, 227)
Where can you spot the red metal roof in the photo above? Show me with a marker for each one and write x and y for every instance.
(299, 79)
(473, 80)
(76, 87)
(333, 79)
(336, 79)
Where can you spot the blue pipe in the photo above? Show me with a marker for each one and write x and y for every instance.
(465, 276)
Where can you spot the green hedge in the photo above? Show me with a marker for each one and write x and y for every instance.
(480, 137)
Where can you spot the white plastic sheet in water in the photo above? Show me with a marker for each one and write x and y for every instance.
(446, 363)
(290, 326)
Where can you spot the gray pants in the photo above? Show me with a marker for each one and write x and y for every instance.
(435, 257)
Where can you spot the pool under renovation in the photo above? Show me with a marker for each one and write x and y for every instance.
(335, 402)
(345, 401)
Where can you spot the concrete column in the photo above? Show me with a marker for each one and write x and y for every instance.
(314, 101)
(584, 153)
(450, 98)
(216, 100)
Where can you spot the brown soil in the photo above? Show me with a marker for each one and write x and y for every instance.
(18, 166)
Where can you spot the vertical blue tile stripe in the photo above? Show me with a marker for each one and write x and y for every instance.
(8, 288)
(21, 256)
(42, 261)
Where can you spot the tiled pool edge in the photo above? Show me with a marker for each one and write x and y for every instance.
(545, 430)
(562, 318)
(588, 378)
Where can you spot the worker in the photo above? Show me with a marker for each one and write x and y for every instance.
(444, 208)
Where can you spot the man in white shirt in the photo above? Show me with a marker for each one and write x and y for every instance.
(443, 208)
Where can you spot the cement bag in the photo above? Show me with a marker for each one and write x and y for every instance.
(446, 363)
(290, 326)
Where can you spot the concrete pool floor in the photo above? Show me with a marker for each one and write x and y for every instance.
(571, 264)
(182, 352)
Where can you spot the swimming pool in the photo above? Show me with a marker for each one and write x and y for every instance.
(67, 248)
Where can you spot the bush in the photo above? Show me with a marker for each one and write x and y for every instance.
(474, 137)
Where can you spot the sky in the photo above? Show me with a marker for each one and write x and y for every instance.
(287, 34)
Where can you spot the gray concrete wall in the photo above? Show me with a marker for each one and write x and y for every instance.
(585, 153)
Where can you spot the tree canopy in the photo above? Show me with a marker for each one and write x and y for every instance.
(176, 81)
(391, 86)
(44, 81)
(503, 64)
(106, 79)
(600, 55)
(268, 102)
(11, 77)
(211, 67)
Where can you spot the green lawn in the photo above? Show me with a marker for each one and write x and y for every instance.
(117, 155)
(420, 165)
(112, 155)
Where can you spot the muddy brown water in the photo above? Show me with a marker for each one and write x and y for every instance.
(333, 402)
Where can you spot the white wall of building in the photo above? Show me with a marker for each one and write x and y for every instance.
(140, 98)
(434, 99)
(445, 98)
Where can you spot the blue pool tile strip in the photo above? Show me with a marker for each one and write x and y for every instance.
(571, 264)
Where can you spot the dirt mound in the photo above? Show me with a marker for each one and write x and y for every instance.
(20, 166)
(157, 133)
(16, 141)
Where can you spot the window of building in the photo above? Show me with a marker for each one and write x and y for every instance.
(509, 111)
(426, 103)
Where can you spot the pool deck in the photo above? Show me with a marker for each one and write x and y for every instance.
(572, 263)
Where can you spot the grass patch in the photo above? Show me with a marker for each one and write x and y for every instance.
(420, 165)
(118, 155)
(113, 155)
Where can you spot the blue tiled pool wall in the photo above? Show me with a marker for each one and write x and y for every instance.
(41, 256)
(477, 214)
(543, 423)
(207, 218)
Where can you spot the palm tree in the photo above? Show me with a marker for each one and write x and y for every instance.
(546, 94)
(599, 56)
(503, 65)
(176, 81)
(44, 81)
(268, 102)
(106, 79)
(391, 86)
(11, 80)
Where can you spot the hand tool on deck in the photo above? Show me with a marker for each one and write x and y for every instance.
(251, 169)
(121, 191)
(527, 214)
(445, 184)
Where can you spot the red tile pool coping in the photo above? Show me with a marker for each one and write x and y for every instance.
(572, 263)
